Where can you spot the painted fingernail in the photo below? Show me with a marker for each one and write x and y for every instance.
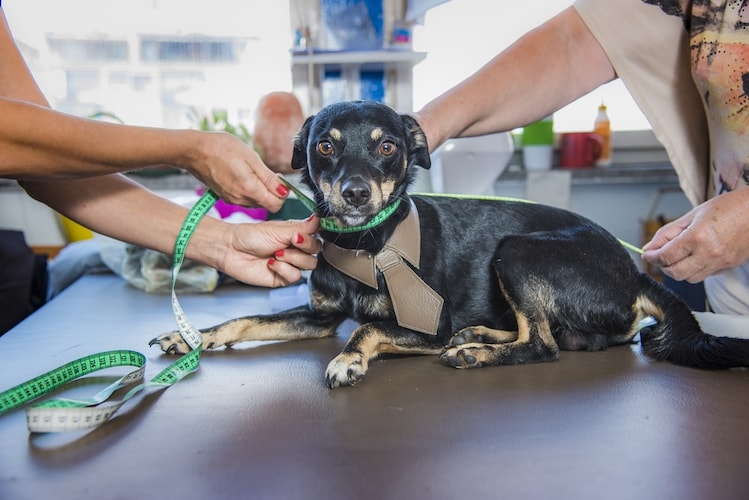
(279, 253)
(299, 239)
(282, 190)
(271, 262)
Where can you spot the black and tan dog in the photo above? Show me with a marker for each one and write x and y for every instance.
(487, 282)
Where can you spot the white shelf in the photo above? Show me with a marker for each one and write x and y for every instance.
(358, 57)
(308, 74)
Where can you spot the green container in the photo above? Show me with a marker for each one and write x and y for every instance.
(539, 133)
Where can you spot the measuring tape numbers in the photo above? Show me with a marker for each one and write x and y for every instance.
(65, 414)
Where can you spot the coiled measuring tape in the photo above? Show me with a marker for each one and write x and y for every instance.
(65, 414)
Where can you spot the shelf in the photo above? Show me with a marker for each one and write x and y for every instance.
(640, 173)
(358, 57)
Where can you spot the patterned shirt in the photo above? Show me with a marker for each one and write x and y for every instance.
(686, 64)
(719, 48)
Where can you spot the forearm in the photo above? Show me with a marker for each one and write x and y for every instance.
(544, 70)
(39, 143)
(122, 209)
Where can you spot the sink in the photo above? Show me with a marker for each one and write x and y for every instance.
(470, 165)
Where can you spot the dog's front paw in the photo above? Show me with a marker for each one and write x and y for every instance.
(463, 357)
(171, 343)
(345, 369)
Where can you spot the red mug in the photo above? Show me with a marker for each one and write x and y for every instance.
(580, 149)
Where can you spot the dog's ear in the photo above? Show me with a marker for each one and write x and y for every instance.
(418, 149)
(299, 155)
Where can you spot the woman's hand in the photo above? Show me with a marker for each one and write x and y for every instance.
(271, 253)
(711, 238)
(234, 170)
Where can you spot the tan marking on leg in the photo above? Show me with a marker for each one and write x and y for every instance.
(492, 336)
(366, 343)
(243, 330)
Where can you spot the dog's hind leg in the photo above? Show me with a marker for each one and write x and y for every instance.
(533, 343)
(482, 335)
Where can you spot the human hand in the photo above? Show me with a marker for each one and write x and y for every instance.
(711, 238)
(235, 171)
(271, 253)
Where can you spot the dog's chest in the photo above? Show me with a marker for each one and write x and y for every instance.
(333, 292)
(415, 304)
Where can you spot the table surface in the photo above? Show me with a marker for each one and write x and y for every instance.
(258, 422)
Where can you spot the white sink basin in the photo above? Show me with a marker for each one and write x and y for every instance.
(470, 165)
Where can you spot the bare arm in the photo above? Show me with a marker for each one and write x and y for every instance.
(60, 160)
(544, 70)
(124, 210)
(39, 143)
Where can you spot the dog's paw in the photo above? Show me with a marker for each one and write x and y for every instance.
(345, 369)
(464, 357)
(171, 343)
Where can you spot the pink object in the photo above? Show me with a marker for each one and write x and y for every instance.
(226, 209)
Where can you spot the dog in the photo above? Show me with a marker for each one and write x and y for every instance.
(479, 282)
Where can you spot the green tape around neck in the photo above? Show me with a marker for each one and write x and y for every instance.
(331, 225)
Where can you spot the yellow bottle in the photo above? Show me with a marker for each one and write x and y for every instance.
(602, 127)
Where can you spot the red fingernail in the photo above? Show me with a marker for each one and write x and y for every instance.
(282, 190)
(271, 262)
(279, 253)
(299, 239)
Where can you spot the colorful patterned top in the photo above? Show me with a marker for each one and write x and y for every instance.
(686, 64)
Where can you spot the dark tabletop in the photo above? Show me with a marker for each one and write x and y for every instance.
(258, 422)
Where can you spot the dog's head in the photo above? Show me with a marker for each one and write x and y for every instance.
(358, 158)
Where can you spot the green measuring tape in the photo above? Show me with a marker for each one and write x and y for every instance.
(330, 225)
(64, 414)
(628, 246)
(384, 214)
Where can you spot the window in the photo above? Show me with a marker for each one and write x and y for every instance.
(233, 52)
(89, 50)
(190, 50)
(149, 63)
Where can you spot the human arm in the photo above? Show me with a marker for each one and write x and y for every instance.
(39, 143)
(124, 210)
(63, 160)
(542, 71)
(710, 238)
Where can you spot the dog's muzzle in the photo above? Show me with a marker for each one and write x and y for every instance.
(356, 191)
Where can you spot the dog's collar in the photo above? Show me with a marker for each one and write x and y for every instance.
(331, 225)
(381, 216)
(416, 305)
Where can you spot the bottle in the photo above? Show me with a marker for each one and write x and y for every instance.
(602, 127)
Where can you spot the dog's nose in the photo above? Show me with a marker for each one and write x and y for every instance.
(356, 191)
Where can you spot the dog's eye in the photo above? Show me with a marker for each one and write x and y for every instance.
(325, 148)
(387, 148)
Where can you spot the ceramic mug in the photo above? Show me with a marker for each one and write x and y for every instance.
(580, 149)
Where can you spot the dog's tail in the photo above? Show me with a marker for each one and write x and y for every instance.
(677, 336)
